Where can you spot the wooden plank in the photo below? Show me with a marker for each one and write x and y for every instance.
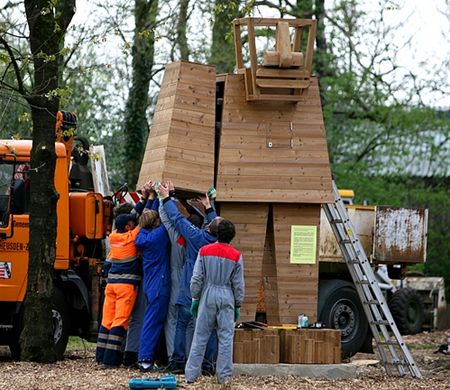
(272, 21)
(282, 83)
(238, 46)
(288, 196)
(285, 216)
(250, 221)
(253, 57)
(281, 73)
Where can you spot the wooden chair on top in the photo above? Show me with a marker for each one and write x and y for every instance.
(285, 72)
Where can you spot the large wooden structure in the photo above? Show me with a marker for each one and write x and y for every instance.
(259, 137)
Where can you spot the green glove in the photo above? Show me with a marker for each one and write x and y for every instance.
(237, 313)
(194, 307)
(212, 193)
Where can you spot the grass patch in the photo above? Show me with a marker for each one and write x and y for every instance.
(78, 344)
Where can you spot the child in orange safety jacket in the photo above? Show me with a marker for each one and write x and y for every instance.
(121, 290)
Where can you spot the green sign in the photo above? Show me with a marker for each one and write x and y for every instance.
(303, 244)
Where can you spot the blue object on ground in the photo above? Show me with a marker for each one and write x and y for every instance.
(163, 382)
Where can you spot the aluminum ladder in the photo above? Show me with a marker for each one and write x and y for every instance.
(394, 353)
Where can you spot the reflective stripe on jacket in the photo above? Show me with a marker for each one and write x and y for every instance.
(123, 256)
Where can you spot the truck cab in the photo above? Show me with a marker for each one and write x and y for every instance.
(83, 220)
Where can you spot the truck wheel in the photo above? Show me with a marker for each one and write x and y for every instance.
(407, 309)
(60, 318)
(340, 308)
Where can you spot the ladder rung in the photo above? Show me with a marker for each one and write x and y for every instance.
(371, 302)
(389, 342)
(397, 363)
(353, 261)
(381, 322)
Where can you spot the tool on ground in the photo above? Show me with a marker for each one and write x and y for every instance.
(162, 382)
(394, 353)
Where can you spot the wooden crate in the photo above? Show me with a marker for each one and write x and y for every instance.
(272, 151)
(314, 346)
(256, 346)
(180, 145)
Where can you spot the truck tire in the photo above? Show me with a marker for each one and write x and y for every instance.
(60, 318)
(407, 309)
(340, 308)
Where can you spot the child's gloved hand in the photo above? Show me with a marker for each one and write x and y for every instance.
(194, 307)
(237, 313)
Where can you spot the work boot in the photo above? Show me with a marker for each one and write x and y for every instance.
(174, 368)
(130, 358)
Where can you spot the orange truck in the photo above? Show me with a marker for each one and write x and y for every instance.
(84, 220)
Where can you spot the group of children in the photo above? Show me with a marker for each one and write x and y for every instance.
(173, 269)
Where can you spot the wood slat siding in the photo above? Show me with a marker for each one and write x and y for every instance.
(297, 284)
(310, 346)
(250, 221)
(294, 170)
(180, 145)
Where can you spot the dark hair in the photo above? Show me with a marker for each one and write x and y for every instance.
(124, 208)
(225, 231)
(195, 220)
(122, 220)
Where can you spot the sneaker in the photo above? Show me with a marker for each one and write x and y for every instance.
(174, 368)
(147, 367)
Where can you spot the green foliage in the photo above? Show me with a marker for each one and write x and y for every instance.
(222, 48)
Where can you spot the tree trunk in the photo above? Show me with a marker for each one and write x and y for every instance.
(136, 123)
(181, 30)
(47, 30)
(222, 49)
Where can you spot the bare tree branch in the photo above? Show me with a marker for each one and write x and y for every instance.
(20, 87)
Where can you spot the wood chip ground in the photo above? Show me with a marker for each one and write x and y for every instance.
(79, 371)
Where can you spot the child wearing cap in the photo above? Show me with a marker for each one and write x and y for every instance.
(121, 291)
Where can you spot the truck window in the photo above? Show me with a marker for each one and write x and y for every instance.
(6, 175)
(21, 185)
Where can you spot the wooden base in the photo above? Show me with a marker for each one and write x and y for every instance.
(273, 346)
(256, 346)
(316, 346)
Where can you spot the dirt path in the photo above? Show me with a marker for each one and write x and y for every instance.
(79, 371)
